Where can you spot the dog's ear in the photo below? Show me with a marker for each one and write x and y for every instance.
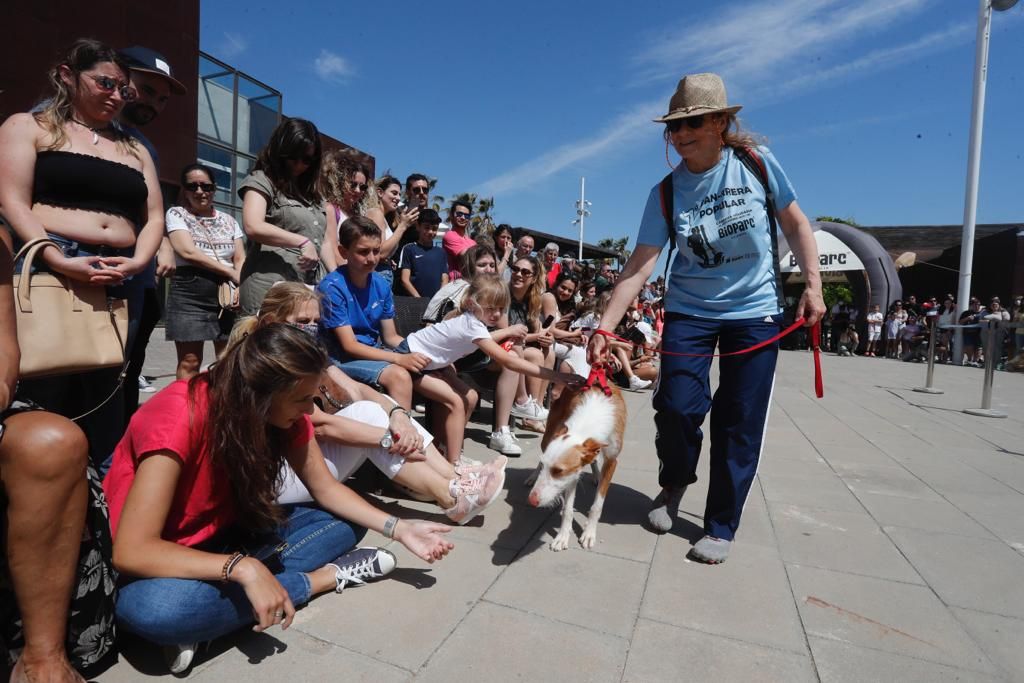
(590, 449)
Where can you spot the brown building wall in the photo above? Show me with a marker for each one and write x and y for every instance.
(38, 30)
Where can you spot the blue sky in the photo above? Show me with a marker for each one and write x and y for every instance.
(866, 104)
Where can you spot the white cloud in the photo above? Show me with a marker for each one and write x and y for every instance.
(233, 45)
(627, 127)
(333, 67)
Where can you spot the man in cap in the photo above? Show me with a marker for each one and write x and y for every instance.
(153, 84)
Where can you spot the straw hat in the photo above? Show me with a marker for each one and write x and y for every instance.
(698, 94)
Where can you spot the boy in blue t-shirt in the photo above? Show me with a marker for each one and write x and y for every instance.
(423, 266)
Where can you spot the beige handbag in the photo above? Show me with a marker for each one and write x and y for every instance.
(227, 292)
(65, 326)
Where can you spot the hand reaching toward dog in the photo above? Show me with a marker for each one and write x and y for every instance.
(424, 539)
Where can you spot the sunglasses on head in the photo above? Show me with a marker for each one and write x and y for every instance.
(693, 122)
(516, 270)
(418, 190)
(108, 84)
(307, 159)
(205, 187)
(362, 187)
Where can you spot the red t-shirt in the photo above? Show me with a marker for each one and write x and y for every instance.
(203, 503)
(454, 244)
(556, 269)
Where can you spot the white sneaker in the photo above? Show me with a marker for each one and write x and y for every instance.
(145, 387)
(531, 410)
(637, 384)
(179, 657)
(506, 443)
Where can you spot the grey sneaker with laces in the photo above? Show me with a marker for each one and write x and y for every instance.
(358, 566)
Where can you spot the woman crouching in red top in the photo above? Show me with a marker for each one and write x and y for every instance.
(191, 494)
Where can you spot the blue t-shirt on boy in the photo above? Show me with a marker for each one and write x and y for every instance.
(360, 308)
(426, 266)
(724, 266)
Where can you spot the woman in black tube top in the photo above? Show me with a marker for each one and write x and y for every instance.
(70, 173)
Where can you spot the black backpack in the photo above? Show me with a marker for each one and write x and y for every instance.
(755, 164)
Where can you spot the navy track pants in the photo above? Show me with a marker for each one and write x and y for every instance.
(739, 409)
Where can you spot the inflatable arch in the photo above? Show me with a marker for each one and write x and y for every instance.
(846, 248)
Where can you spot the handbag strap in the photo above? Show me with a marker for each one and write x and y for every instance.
(124, 368)
(29, 251)
(209, 237)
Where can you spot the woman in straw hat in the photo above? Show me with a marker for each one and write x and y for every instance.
(725, 290)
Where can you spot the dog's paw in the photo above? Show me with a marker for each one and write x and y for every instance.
(588, 537)
(561, 542)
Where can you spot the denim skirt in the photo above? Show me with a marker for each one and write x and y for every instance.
(193, 311)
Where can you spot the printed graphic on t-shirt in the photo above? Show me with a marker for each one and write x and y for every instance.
(716, 226)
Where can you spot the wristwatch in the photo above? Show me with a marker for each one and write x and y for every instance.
(386, 441)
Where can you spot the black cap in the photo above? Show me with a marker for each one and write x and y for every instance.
(143, 59)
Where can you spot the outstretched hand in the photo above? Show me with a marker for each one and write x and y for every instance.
(425, 540)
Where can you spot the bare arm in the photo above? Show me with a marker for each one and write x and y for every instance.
(389, 333)
(254, 211)
(637, 271)
(511, 361)
(10, 353)
(407, 282)
(797, 230)
(186, 248)
(329, 249)
(152, 233)
(238, 259)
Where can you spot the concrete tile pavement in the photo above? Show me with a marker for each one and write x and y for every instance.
(883, 540)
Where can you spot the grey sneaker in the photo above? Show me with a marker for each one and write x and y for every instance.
(358, 566)
(665, 508)
(710, 550)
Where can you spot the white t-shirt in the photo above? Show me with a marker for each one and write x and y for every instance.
(448, 340)
(214, 235)
(875, 322)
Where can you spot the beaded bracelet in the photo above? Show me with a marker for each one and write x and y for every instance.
(230, 564)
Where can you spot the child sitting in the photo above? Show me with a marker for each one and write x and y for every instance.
(483, 305)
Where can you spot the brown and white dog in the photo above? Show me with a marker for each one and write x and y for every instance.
(584, 428)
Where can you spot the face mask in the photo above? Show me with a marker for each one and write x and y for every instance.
(312, 329)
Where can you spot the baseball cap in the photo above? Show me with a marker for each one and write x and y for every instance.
(144, 59)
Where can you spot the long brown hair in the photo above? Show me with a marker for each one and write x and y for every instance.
(535, 290)
(82, 55)
(292, 138)
(242, 387)
(338, 167)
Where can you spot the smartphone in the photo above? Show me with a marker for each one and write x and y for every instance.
(548, 320)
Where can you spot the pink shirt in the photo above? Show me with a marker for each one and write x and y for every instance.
(454, 244)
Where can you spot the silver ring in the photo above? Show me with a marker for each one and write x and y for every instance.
(278, 614)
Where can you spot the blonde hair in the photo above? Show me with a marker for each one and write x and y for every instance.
(733, 135)
(282, 299)
(486, 290)
(84, 54)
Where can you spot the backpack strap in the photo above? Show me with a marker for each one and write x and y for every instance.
(665, 191)
(755, 164)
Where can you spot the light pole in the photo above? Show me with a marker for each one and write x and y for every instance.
(581, 212)
(963, 293)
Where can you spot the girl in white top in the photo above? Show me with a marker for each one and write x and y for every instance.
(483, 306)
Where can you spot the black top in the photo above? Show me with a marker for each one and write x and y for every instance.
(71, 180)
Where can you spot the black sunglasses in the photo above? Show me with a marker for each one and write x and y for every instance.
(307, 159)
(362, 187)
(205, 187)
(693, 122)
(516, 270)
(458, 214)
(418, 190)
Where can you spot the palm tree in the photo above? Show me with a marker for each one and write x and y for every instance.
(616, 245)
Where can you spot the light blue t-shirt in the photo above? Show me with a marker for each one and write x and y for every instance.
(360, 308)
(724, 266)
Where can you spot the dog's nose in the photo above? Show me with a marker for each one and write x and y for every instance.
(534, 499)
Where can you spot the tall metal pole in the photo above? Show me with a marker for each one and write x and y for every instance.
(963, 293)
(583, 211)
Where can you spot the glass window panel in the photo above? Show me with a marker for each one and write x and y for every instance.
(216, 101)
(243, 166)
(258, 108)
(220, 161)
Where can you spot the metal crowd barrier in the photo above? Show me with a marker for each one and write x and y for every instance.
(988, 331)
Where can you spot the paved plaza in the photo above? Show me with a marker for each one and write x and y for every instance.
(883, 540)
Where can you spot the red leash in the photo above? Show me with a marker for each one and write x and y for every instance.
(819, 385)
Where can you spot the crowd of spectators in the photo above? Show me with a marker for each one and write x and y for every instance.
(903, 331)
(227, 505)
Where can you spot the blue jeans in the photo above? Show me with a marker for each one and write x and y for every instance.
(179, 611)
(739, 410)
